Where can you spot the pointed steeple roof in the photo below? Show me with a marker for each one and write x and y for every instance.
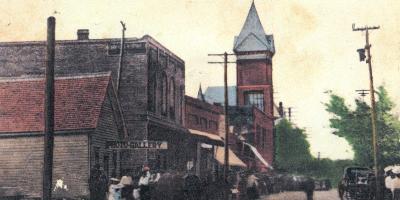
(252, 36)
(200, 94)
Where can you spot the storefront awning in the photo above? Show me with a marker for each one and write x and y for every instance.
(258, 155)
(233, 159)
(207, 138)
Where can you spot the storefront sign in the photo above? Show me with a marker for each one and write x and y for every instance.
(137, 144)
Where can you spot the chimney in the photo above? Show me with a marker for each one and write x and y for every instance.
(280, 109)
(83, 34)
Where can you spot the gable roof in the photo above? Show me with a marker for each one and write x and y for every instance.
(215, 94)
(78, 101)
(252, 37)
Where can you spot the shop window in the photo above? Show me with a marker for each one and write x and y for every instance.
(255, 98)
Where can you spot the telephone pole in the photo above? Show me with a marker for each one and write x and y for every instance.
(226, 153)
(377, 170)
(49, 111)
(121, 55)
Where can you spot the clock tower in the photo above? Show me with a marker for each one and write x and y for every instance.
(254, 51)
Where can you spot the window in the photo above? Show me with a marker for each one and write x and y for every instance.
(203, 122)
(114, 164)
(152, 86)
(258, 134)
(263, 138)
(255, 98)
(213, 125)
(164, 95)
(106, 164)
(172, 98)
(96, 155)
(193, 119)
(181, 98)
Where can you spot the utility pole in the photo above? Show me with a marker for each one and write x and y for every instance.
(377, 170)
(49, 111)
(362, 93)
(121, 55)
(226, 153)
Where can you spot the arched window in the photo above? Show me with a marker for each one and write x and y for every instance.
(172, 97)
(164, 94)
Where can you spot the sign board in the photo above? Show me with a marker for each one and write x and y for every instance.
(137, 144)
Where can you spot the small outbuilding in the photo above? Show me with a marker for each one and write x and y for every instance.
(87, 115)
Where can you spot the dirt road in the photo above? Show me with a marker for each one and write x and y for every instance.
(318, 195)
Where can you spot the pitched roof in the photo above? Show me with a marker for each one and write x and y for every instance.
(215, 94)
(78, 101)
(252, 37)
(200, 94)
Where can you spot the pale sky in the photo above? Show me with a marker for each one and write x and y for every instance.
(315, 46)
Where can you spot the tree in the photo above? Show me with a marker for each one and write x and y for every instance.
(292, 153)
(355, 126)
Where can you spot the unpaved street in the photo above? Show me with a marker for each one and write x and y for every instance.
(319, 195)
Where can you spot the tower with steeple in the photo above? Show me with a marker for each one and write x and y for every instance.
(254, 51)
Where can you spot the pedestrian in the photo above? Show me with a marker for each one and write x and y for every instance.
(115, 189)
(251, 187)
(97, 183)
(144, 184)
(127, 190)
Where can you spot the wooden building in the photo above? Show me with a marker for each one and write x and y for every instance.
(150, 86)
(87, 115)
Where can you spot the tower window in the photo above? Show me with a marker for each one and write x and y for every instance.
(255, 98)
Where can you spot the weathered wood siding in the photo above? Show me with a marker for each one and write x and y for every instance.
(108, 129)
(21, 163)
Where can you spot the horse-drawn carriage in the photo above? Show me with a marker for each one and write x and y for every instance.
(357, 184)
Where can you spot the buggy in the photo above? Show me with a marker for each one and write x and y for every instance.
(357, 184)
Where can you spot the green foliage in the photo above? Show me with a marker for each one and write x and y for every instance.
(355, 126)
(292, 155)
(292, 148)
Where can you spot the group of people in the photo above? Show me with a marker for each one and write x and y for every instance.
(121, 189)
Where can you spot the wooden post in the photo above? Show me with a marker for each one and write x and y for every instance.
(375, 138)
(49, 111)
(198, 158)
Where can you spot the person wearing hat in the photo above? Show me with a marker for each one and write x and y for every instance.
(97, 183)
(114, 190)
(127, 190)
(144, 184)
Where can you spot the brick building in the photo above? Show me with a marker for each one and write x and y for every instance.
(208, 120)
(150, 87)
(254, 51)
(87, 115)
(253, 112)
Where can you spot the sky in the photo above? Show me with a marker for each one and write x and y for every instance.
(315, 45)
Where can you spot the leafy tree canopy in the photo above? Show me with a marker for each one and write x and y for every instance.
(355, 126)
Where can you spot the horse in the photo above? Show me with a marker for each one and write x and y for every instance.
(295, 183)
(392, 181)
(177, 186)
